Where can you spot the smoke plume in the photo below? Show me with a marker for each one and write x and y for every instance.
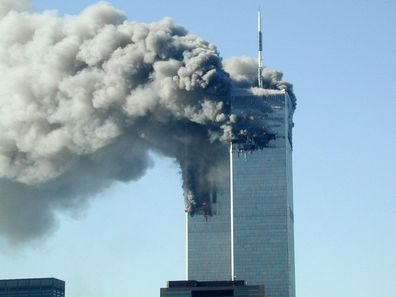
(85, 98)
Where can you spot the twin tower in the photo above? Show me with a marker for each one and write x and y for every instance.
(250, 236)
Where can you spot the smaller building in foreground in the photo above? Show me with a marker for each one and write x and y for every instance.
(194, 288)
(32, 287)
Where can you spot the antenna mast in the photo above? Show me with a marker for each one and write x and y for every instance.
(260, 52)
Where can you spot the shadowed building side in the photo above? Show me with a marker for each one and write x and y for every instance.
(209, 239)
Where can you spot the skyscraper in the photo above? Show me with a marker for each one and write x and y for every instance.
(262, 201)
(250, 236)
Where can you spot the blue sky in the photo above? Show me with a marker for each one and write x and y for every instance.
(340, 55)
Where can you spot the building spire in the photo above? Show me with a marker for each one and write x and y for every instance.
(260, 51)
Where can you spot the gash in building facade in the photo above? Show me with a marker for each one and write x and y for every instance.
(250, 235)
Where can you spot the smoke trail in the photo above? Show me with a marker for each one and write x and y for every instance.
(86, 97)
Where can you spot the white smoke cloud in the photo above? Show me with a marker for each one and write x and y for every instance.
(7, 6)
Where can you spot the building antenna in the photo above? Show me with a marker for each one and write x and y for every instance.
(260, 51)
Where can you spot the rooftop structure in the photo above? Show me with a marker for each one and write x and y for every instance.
(32, 287)
(211, 289)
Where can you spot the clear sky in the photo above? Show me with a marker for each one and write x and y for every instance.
(340, 55)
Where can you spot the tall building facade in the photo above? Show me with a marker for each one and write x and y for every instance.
(32, 287)
(250, 236)
(208, 240)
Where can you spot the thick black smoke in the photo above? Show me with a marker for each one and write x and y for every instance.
(84, 99)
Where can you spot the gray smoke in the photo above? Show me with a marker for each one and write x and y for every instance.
(84, 99)
(243, 72)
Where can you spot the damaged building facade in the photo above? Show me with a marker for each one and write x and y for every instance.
(250, 234)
